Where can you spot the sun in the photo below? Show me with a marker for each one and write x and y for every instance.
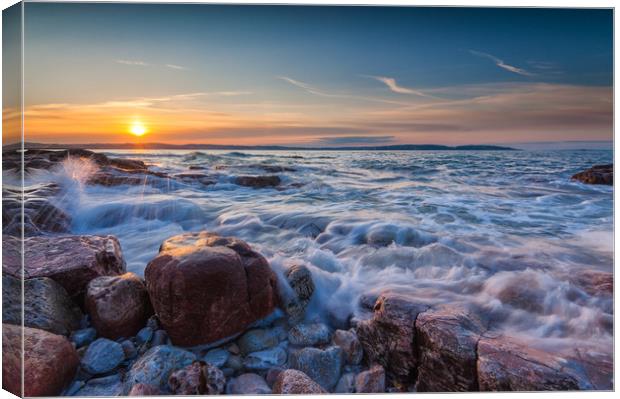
(138, 129)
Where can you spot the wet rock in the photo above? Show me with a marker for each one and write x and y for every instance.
(48, 367)
(322, 366)
(205, 288)
(47, 305)
(104, 386)
(144, 336)
(350, 345)
(505, 364)
(346, 384)
(159, 338)
(217, 357)
(102, 356)
(144, 390)
(594, 282)
(198, 378)
(389, 337)
(73, 388)
(83, 337)
(129, 349)
(118, 305)
(447, 338)
(71, 261)
(257, 339)
(156, 365)
(111, 178)
(258, 181)
(295, 382)
(201, 178)
(598, 174)
(309, 334)
(299, 279)
(249, 384)
(265, 359)
(272, 375)
(371, 381)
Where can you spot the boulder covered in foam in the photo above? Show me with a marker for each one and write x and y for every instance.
(205, 288)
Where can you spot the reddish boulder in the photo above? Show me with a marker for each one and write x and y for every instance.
(71, 261)
(204, 287)
(198, 378)
(371, 381)
(118, 305)
(50, 361)
(294, 382)
(141, 389)
(598, 174)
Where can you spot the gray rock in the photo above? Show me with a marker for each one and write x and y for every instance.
(159, 338)
(156, 365)
(257, 340)
(322, 366)
(249, 384)
(266, 359)
(83, 337)
(130, 349)
(73, 388)
(234, 362)
(371, 381)
(105, 386)
(350, 345)
(144, 335)
(309, 334)
(346, 384)
(102, 356)
(217, 357)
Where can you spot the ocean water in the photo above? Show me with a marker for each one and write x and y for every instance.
(507, 231)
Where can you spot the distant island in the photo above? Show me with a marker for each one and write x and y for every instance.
(165, 146)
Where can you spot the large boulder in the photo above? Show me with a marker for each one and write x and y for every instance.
(50, 361)
(205, 288)
(118, 306)
(71, 261)
(198, 378)
(598, 174)
(294, 382)
(47, 305)
(322, 366)
(156, 365)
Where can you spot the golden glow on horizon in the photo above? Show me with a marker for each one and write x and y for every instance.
(138, 129)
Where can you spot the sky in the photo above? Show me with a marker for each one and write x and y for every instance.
(315, 76)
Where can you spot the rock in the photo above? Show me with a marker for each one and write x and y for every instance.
(189, 177)
(47, 305)
(104, 386)
(265, 359)
(234, 349)
(249, 384)
(389, 337)
(159, 338)
(129, 349)
(118, 305)
(257, 339)
(505, 364)
(447, 338)
(346, 384)
(71, 261)
(234, 362)
(371, 381)
(73, 388)
(299, 279)
(272, 375)
(198, 378)
(217, 357)
(594, 282)
(144, 336)
(83, 337)
(144, 390)
(205, 288)
(322, 366)
(295, 382)
(309, 334)
(598, 174)
(258, 181)
(102, 356)
(153, 323)
(48, 367)
(350, 345)
(156, 365)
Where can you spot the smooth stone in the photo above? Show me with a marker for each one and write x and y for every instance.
(159, 338)
(257, 339)
(350, 345)
(234, 349)
(309, 334)
(198, 378)
(102, 356)
(266, 359)
(371, 381)
(144, 336)
(234, 362)
(295, 382)
(129, 349)
(156, 365)
(83, 337)
(322, 366)
(217, 357)
(249, 384)
(346, 384)
(105, 386)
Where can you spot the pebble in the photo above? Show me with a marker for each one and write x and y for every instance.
(83, 337)
(234, 349)
(144, 335)
(234, 362)
(217, 357)
(102, 356)
(130, 349)
(257, 339)
(159, 338)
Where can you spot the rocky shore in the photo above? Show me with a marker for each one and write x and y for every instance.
(212, 317)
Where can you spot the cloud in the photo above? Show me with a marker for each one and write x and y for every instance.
(352, 140)
(173, 66)
(132, 62)
(502, 64)
(393, 86)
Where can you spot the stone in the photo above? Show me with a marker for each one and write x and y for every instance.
(83, 337)
(118, 305)
(102, 356)
(144, 335)
(205, 288)
(234, 349)
(594, 282)
(350, 345)
(156, 365)
(71, 261)
(295, 382)
(129, 349)
(257, 339)
(47, 305)
(310, 334)
(371, 381)
(234, 362)
(258, 181)
(144, 390)
(49, 366)
(598, 174)
(265, 359)
(505, 364)
(159, 338)
(104, 386)
(249, 384)
(217, 357)
(346, 384)
(388, 338)
(73, 388)
(272, 375)
(198, 378)
(322, 366)
(300, 281)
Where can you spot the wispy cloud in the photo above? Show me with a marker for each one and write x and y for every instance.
(500, 63)
(353, 140)
(173, 66)
(146, 64)
(132, 62)
(393, 86)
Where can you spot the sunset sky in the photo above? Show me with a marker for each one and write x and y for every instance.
(314, 76)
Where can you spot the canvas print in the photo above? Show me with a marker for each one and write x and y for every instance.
(204, 199)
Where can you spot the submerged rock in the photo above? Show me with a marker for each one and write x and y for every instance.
(198, 378)
(371, 381)
(102, 356)
(295, 382)
(258, 181)
(205, 288)
(156, 365)
(322, 366)
(248, 384)
(598, 174)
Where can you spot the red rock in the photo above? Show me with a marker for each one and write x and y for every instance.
(371, 381)
(141, 389)
(50, 361)
(199, 378)
(204, 287)
(294, 382)
(598, 174)
(119, 306)
(71, 261)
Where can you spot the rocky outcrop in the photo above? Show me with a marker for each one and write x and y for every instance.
(295, 302)
(258, 181)
(50, 361)
(198, 378)
(204, 287)
(71, 261)
(598, 174)
(371, 381)
(156, 365)
(294, 382)
(322, 366)
(118, 306)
